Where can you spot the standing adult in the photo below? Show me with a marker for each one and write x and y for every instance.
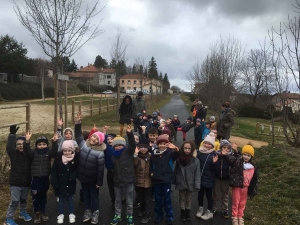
(226, 121)
(200, 112)
(138, 106)
(125, 112)
(193, 108)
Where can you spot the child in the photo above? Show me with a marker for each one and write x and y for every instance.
(143, 184)
(153, 134)
(217, 142)
(187, 177)
(207, 158)
(124, 175)
(198, 133)
(213, 123)
(185, 127)
(176, 123)
(168, 134)
(67, 134)
(137, 122)
(205, 129)
(147, 123)
(170, 127)
(221, 189)
(243, 180)
(19, 178)
(40, 171)
(90, 170)
(162, 175)
(63, 179)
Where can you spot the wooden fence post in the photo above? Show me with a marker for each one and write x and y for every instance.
(114, 104)
(100, 105)
(80, 104)
(73, 110)
(257, 128)
(107, 104)
(91, 108)
(27, 116)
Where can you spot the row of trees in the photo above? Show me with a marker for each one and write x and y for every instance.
(229, 68)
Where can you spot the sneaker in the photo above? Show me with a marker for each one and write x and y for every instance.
(87, 215)
(25, 216)
(225, 214)
(37, 218)
(60, 219)
(117, 218)
(207, 215)
(199, 212)
(95, 217)
(129, 219)
(72, 218)
(145, 218)
(157, 220)
(10, 221)
(45, 218)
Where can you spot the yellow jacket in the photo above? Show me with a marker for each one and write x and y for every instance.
(217, 145)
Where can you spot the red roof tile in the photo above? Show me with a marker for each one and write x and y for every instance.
(133, 76)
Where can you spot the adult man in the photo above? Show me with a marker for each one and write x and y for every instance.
(138, 106)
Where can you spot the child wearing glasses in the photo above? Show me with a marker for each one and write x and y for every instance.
(143, 183)
(187, 177)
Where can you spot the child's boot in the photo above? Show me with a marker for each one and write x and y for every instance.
(188, 215)
(37, 218)
(241, 221)
(235, 221)
(60, 219)
(182, 215)
(45, 218)
(117, 218)
(129, 220)
(72, 218)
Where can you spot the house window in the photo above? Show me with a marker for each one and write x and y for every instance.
(122, 81)
(128, 82)
(108, 82)
(134, 82)
(108, 76)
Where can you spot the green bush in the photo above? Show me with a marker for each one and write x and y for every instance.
(252, 112)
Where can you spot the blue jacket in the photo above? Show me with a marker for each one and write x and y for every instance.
(108, 154)
(207, 169)
(162, 166)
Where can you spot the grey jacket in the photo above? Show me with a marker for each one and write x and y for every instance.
(187, 177)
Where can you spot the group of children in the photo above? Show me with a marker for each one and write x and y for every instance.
(144, 164)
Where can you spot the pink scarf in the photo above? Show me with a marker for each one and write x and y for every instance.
(65, 159)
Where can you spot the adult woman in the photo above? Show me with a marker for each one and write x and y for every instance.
(125, 112)
(226, 121)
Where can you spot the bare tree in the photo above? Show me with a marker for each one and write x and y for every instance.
(194, 77)
(59, 27)
(140, 64)
(118, 53)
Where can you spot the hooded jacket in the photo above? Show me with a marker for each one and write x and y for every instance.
(62, 139)
(225, 123)
(91, 160)
(125, 111)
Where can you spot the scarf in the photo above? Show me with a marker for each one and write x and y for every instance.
(118, 153)
(157, 152)
(204, 151)
(248, 166)
(184, 159)
(42, 151)
(98, 147)
(65, 159)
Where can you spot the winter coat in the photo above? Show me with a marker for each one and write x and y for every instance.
(146, 123)
(63, 177)
(222, 167)
(205, 131)
(236, 178)
(108, 154)
(175, 123)
(138, 106)
(186, 126)
(200, 114)
(198, 133)
(20, 169)
(124, 172)
(207, 169)
(171, 128)
(187, 177)
(41, 163)
(125, 112)
(162, 166)
(225, 123)
(142, 171)
(91, 160)
(61, 139)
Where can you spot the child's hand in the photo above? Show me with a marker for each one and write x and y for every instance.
(215, 158)
(144, 111)
(173, 147)
(28, 136)
(97, 186)
(78, 117)
(55, 137)
(59, 123)
(128, 129)
(136, 150)
(105, 128)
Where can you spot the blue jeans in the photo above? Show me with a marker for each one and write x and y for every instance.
(18, 196)
(163, 200)
(61, 204)
(90, 195)
(39, 189)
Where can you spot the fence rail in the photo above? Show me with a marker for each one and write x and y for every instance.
(267, 130)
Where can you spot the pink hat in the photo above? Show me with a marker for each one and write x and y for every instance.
(68, 144)
(100, 136)
(210, 139)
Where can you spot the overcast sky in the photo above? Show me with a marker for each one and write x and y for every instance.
(175, 32)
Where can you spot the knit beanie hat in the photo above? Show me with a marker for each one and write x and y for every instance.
(212, 118)
(210, 138)
(166, 131)
(140, 93)
(248, 149)
(162, 138)
(136, 134)
(189, 118)
(111, 135)
(93, 130)
(41, 139)
(22, 138)
(154, 113)
(175, 116)
(118, 140)
(68, 144)
(100, 136)
(144, 141)
(225, 142)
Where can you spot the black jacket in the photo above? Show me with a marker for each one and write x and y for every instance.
(124, 172)
(222, 167)
(63, 177)
(162, 166)
(41, 163)
(125, 112)
(20, 172)
(207, 169)
(201, 114)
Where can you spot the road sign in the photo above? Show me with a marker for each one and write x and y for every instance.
(62, 77)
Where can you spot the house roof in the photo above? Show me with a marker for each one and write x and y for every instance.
(289, 95)
(81, 74)
(89, 71)
(133, 76)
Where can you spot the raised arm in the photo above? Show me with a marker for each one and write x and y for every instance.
(54, 148)
(11, 141)
(26, 148)
(78, 131)
(131, 141)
